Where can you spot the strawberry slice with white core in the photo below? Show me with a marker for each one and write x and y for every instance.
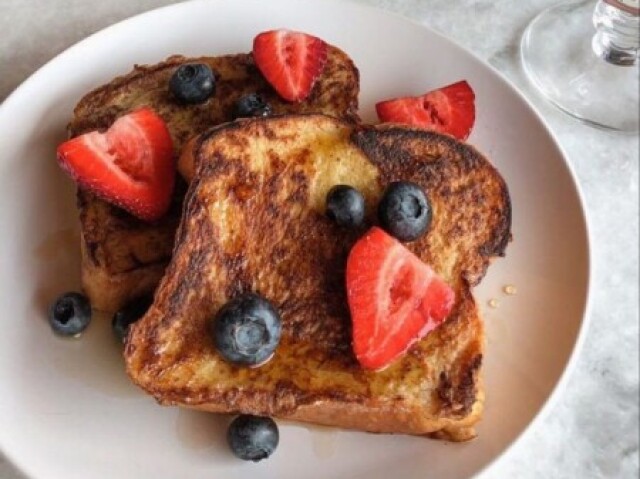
(290, 61)
(131, 165)
(395, 299)
(450, 109)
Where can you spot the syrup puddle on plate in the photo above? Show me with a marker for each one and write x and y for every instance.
(61, 242)
(323, 441)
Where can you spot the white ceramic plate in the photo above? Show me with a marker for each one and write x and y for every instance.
(67, 409)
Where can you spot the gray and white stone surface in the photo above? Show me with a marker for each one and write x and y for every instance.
(592, 431)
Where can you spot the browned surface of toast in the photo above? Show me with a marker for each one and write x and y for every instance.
(123, 257)
(254, 221)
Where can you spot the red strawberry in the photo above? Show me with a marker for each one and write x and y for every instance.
(395, 299)
(290, 61)
(130, 165)
(450, 109)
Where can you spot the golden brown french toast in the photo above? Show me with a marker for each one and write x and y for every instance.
(124, 257)
(254, 221)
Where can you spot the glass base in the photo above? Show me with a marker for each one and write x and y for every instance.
(558, 58)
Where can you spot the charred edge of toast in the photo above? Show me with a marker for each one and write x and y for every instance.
(459, 398)
(366, 138)
(112, 219)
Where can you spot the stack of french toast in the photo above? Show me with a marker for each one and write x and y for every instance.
(293, 262)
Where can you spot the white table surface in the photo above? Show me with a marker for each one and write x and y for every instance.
(592, 431)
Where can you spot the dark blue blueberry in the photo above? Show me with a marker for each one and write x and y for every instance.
(247, 330)
(345, 205)
(70, 314)
(251, 105)
(404, 211)
(193, 83)
(253, 438)
(128, 315)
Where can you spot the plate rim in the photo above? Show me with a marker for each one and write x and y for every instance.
(551, 400)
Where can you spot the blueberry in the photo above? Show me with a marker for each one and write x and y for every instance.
(253, 438)
(128, 315)
(193, 83)
(251, 105)
(247, 330)
(70, 314)
(345, 205)
(404, 211)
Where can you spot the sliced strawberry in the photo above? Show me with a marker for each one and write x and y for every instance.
(395, 299)
(290, 61)
(130, 165)
(450, 109)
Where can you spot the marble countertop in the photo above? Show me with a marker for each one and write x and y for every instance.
(592, 430)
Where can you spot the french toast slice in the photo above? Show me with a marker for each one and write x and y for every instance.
(254, 221)
(124, 257)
